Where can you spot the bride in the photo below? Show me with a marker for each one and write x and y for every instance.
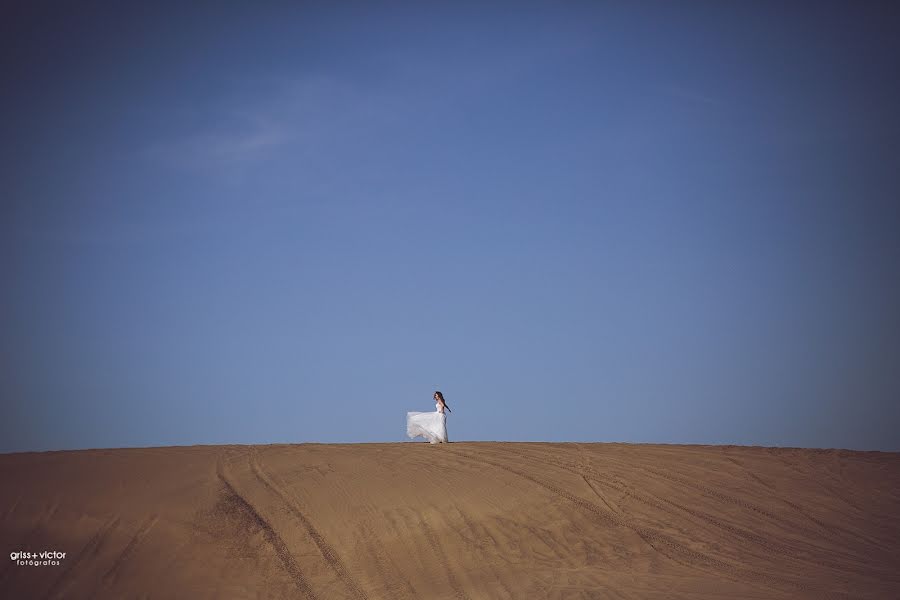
(430, 425)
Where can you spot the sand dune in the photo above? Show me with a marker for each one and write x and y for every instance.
(464, 520)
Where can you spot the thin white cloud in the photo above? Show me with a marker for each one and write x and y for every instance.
(247, 140)
(314, 115)
(690, 95)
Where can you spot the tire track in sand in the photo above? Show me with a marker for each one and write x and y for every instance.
(12, 508)
(773, 546)
(397, 587)
(599, 495)
(275, 540)
(657, 540)
(714, 493)
(42, 521)
(110, 576)
(62, 583)
(580, 469)
(325, 549)
(830, 532)
(784, 548)
(591, 474)
(442, 557)
(768, 545)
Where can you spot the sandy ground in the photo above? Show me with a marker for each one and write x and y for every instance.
(462, 520)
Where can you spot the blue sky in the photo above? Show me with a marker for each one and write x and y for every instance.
(639, 222)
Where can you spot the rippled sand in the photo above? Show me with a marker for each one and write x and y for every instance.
(464, 520)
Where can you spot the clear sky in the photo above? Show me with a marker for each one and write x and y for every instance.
(637, 221)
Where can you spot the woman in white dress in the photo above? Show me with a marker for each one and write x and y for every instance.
(430, 425)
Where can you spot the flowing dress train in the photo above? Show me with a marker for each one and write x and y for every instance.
(430, 425)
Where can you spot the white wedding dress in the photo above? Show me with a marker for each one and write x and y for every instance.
(430, 425)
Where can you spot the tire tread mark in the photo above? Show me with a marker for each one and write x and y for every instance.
(325, 549)
(722, 497)
(769, 546)
(772, 546)
(693, 557)
(479, 544)
(43, 518)
(381, 562)
(275, 540)
(822, 484)
(568, 467)
(828, 530)
(110, 576)
(12, 507)
(599, 495)
(482, 536)
(61, 584)
(442, 557)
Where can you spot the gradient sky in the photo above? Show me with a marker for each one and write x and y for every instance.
(643, 222)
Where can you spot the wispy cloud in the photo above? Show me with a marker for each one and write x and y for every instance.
(285, 116)
(236, 141)
(689, 95)
(306, 116)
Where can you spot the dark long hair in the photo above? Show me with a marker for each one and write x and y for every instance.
(444, 402)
